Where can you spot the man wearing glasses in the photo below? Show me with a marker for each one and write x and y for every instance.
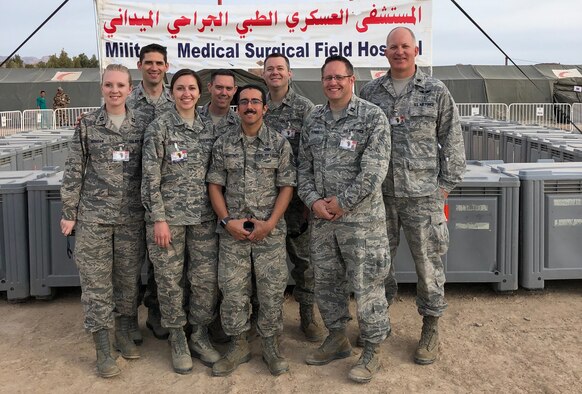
(343, 159)
(255, 166)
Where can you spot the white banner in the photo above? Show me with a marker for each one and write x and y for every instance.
(241, 36)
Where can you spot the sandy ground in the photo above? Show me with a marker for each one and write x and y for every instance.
(525, 342)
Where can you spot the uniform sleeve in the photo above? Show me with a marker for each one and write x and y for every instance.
(217, 172)
(451, 145)
(373, 164)
(306, 176)
(286, 173)
(74, 174)
(152, 161)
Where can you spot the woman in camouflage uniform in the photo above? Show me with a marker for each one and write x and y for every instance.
(100, 194)
(180, 221)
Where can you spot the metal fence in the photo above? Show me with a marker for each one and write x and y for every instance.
(10, 122)
(37, 119)
(67, 117)
(542, 114)
(498, 111)
(577, 115)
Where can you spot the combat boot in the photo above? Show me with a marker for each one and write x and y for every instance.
(201, 347)
(238, 352)
(123, 343)
(428, 346)
(335, 346)
(154, 323)
(367, 365)
(181, 360)
(271, 356)
(313, 333)
(106, 365)
(134, 332)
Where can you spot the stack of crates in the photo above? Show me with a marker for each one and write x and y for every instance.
(483, 228)
(550, 221)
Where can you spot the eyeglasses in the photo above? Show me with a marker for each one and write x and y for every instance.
(252, 101)
(338, 78)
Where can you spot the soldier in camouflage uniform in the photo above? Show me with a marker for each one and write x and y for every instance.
(217, 113)
(177, 151)
(61, 100)
(343, 159)
(100, 194)
(286, 113)
(427, 161)
(219, 116)
(254, 164)
(153, 99)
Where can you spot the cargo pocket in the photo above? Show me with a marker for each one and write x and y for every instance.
(440, 232)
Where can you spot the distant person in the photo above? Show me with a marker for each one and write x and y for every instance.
(41, 104)
(427, 162)
(61, 101)
(101, 199)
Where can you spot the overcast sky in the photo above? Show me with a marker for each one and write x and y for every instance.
(530, 31)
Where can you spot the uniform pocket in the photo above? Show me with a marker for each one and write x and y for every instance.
(440, 232)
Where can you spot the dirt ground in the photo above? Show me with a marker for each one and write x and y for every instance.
(525, 342)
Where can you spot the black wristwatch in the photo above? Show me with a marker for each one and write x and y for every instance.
(224, 221)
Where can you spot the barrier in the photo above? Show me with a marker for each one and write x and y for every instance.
(10, 122)
(577, 115)
(37, 119)
(67, 117)
(542, 114)
(499, 111)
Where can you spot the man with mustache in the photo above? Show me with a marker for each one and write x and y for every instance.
(255, 167)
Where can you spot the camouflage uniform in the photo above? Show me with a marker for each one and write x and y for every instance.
(287, 119)
(152, 109)
(353, 250)
(102, 195)
(176, 192)
(428, 154)
(252, 173)
(228, 122)
(61, 100)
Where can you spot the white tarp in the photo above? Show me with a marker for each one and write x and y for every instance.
(241, 36)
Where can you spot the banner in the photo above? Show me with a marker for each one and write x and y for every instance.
(241, 36)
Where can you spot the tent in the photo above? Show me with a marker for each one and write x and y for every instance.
(467, 83)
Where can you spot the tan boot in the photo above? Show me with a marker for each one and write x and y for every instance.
(238, 352)
(313, 333)
(271, 356)
(367, 365)
(106, 365)
(335, 346)
(428, 346)
(181, 360)
(123, 343)
(201, 348)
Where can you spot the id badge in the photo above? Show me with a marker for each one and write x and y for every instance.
(121, 155)
(288, 133)
(179, 156)
(348, 144)
(396, 120)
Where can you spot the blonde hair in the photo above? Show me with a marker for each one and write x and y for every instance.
(118, 67)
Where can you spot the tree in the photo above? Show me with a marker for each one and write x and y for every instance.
(14, 62)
